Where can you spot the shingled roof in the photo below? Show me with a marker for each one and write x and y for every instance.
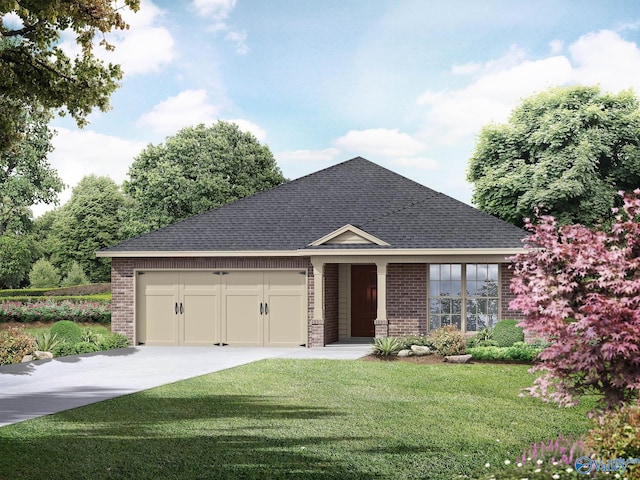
(388, 206)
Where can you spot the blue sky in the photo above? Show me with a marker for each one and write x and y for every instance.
(406, 84)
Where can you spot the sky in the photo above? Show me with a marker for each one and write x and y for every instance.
(406, 84)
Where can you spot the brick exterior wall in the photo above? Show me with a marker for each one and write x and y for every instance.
(123, 280)
(407, 299)
(506, 274)
(330, 303)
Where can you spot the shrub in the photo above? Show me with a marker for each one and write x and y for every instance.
(89, 336)
(518, 352)
(15, 344)
(44, 274)
(46, 341)
(618, 436)
(23, 292)
(48, 311)
(448, 340)
(93, 289)
(112, 341)
(406, 342)
(386, 346)
(67, 331)
(85, 347)
(75, 276)
(505, 333)
(63, 349)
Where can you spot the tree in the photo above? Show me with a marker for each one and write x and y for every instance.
(89, 221)
(580, 289)
(26, 176)
(198, 169)
(567, 149)
(17, 253)
(44, 274)
(75, 276)
(34, 70)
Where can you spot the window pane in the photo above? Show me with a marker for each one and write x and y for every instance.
(471, 271)
(493, 272)
(483, 271)
(456, 271)
(472, 287)
(434, 272)
(456, 320)
(446, 306)
(456, 307)
(434, 322)
(434, 307)
(445, 272)
(434, 288)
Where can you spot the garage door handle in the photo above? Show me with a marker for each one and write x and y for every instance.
(181, 310)
(261, 308)
(266, 309)
(176, 308)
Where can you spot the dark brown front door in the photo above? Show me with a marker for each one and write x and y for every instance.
(364, 305)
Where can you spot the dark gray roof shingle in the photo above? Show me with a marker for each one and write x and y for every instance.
(389, 206)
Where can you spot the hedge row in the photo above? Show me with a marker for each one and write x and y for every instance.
(518, 352)
(47, 311)
(98, 297)
(92, 289)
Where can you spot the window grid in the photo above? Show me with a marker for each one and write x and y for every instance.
(466, 295)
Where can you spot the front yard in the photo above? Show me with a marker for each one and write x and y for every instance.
(297, 419)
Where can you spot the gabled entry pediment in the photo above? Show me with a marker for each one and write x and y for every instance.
(348, 235)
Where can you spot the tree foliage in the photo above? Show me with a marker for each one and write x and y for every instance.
(44, 274)
(580, 289)
(567, 149)
(89, 221)
(198, 169)
(34, 70)
(25, 174)
(17, 253)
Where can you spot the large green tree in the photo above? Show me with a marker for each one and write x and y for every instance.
(35, 71)
(26, 176)
(89, 221)
(17, 253)
(567, 150)
(198, 169)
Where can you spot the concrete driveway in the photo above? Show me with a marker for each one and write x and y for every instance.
(29, 390)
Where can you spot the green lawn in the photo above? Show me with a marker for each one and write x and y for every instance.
(296, 419)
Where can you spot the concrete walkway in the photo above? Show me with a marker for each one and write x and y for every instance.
(29, 390)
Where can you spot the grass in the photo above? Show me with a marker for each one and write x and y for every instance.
(297, 419)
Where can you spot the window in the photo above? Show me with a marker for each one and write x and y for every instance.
(463, 295)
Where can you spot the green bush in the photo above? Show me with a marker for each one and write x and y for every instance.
(44, 274)
(85, 347)
(112, 341)
(48, 311)
(75, 276)
(92, 289)
(505, 333)
(15, 344)
(67, 331)
(518, 352)
(386, 346)
(448, 340)
(422, 340)
(63, 349)
(23, 292)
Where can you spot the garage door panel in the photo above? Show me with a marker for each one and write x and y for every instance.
(283, 323)
(243, 320)
(156, 309)
(199, 325)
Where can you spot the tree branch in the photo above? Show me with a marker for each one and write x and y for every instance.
(21, 32)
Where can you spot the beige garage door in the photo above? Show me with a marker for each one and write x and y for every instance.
(264, 308)
(178, 308)
(236, 308)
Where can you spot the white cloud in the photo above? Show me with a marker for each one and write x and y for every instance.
(305, 156)
(466, 69)
(189, 107)
(380, 142)
(11, 20)
(79, 153)
(602, 58)
(219, 11)
(145, 47)
(216, 9)
(247, 126)
(605, 58)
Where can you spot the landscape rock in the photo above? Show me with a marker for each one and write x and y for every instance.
(42, 355)
(404, 353)
(27, 358)
(420, 350)
(457, 358)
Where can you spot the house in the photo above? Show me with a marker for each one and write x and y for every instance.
(353, 250)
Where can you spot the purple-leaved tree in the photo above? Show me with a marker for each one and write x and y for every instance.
(580, 289)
